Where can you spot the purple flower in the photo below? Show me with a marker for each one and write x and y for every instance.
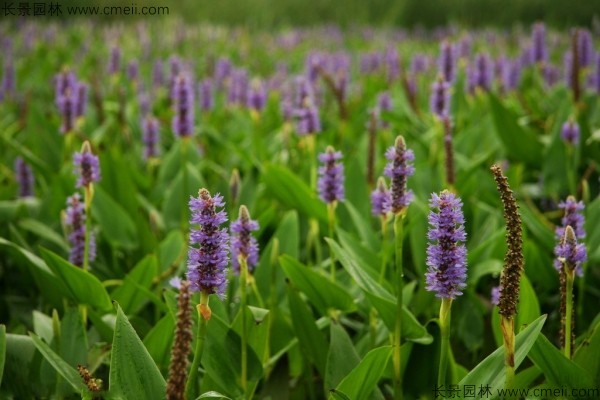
(308, 120)
(63, 82)
(572, 217)
(87, 167)
(81, 99)
(150, 137)
(206, 95)
(223, 70)
(440, 98)
(539, 52)
(74, 220)
(183, 95)
(594, 78)
(256, 97)
(570, 253)
(238, 87)
(570, 132)
(67, 104)
(384, 103)
(243, 244)
(114, 60)
(585, 47)
(8, 80)
(398, 169)
(495, 295)
(158, 78)
(24, 177)
(208, 253)
(447, 61)
(480, 73)
(446, 254)
(144, 103)
(392, 61)
(133, 70)
(380, 199)
(511, 74)
(331, 176)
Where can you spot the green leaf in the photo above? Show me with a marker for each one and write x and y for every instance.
(342, 356)
(381, 299)
(61, 366)
(117, 226)
(159, 341)
(19, 366)
(129, 295)
(520, 144)
(81, 286)
(491, 370)
(586, 355)
(133, 374)
(2, 350)
(538, 225)
(213, 395)
(44, 232)
(175, 202)
(310, 337)
(558, 369)
(323, 293)
(363, 227)
(222, 357)
(293, 192)
(170, 249)
(363, 379)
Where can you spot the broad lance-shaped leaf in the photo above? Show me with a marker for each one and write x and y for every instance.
(80, 286)
(129, 295)
(133, 373)
(61, 366)
(117, 226)
(323, 293)
(381, 299)
(586, 355)
(362, 380)
(557, 369)
(491, 371)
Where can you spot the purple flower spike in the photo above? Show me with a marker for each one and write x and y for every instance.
(82, 99)
(331, 176)
(114, 60)
(208, 253)
(256, 98)
(8, 80)
(67, 104)
(539, 52)
(440, 98)
(570, 132)
(150, 128)
(585, 47)
(309, 120)
(206, 95)
(380, 199)
(243, 244)
(447, 61)
(571, 253)
(158, 77)
(495, 295)
(74, 220)
(398, 169)
(572, 217)
(594, 78)
(133, 70)
(447, 254)
(183, 95)
(24, 177)
(480, 73)
(384, 103)
(87, 167)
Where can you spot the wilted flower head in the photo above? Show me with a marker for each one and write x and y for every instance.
(87, 167)
(380, 198)
(208, 252)
(243, 244)
(398, 169)
(24, 177)
(74, 220)
(446, 254)
(331, 176)
(440, 98)
(570, 132)
(183, 95)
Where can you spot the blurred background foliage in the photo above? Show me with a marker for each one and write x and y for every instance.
(346, 13)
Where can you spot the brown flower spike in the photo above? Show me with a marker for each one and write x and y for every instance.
(181, 346)
(513, 261)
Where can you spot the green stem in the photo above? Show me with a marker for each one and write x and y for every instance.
(569, 311)
(384, 249)
(508, 334)
(192, 387)
(331, 219)
(243, 302)
(398, 233)
(88, 193)
(570, 165)
(445, 344)
(272, 302)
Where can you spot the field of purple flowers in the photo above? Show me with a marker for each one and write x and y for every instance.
(190, 211)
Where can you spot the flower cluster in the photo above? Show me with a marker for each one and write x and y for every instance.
(74, 220)
(24, 177)
(446, 255)
(440, 98)
(243, 244)
(570, 132)
(331, 176)
(183, 96)
(87, 167)
(380, 199)
(398, 169)
(150, 137)
(564, 251)
(208, 261)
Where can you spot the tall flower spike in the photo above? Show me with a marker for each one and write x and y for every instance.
(243, 244)
(331, 176)
(181, 345)
(87, 167)
(398, 169)
(207, 262)
(446, 254)
(513, 261)
(74, 221)
(572, 217)
(183, 95)
(447, 61)
(380, 199)
(150, 129)
(24, 177)
(440, 98)
(569, 252)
